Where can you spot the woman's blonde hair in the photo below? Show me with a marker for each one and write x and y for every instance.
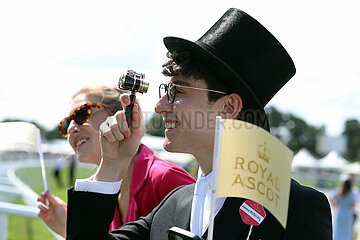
(106, 96)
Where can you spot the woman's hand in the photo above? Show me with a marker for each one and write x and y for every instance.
(119, 142)
(53, 212)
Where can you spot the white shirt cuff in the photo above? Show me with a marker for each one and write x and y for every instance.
(87, 185)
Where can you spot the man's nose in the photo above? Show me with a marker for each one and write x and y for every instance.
(163, 105)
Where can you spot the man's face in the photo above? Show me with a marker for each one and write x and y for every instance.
(190, 119)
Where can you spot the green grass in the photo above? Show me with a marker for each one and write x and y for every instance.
(25, 228)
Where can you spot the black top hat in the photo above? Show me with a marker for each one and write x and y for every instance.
(244, 55)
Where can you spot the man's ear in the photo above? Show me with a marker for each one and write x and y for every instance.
(232, 106)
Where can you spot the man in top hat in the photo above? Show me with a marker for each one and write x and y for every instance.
(233, 71)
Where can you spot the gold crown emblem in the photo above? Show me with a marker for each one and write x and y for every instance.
(264, 153)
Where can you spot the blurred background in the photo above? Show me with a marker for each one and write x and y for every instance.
(49, 50)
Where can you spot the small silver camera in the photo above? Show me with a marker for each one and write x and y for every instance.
(134, 82)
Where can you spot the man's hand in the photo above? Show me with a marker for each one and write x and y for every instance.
(119, 143)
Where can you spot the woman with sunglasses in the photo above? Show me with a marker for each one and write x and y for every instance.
(148, 179)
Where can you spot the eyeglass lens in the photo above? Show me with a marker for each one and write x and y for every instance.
(168, 89)
(171, 92)
(64, 126)
(162, 90)
(80, 117)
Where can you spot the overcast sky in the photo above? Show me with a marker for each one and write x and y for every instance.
(50, 49)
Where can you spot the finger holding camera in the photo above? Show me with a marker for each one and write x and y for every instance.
(119, 142)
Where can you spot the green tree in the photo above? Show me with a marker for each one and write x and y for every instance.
(352, 132)
(53, 134)
(304, 135)
(275, 117)
(155, 125)
(293, 131)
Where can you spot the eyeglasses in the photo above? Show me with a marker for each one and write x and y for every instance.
(80, 116)
(170, 90)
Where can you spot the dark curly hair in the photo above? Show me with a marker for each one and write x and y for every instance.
(181, 63)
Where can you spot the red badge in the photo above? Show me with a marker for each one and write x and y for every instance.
(252, 213)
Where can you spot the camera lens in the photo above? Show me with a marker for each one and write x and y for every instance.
(127, 82)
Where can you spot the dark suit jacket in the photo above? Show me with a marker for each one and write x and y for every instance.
(89, 216)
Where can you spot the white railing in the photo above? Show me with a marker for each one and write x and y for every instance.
(18, 210)
(19, 188)
(7, 209)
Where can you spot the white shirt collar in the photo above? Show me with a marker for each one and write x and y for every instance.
(204, 184)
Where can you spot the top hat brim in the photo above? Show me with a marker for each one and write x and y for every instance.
(203, 53)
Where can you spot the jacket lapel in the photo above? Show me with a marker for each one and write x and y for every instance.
(228, 223)
(183, 207)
